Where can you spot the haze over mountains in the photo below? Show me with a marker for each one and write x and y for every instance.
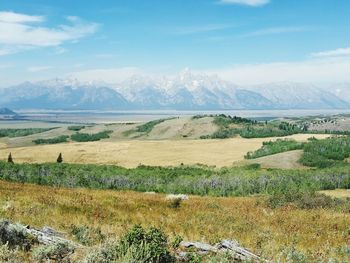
(186, 91)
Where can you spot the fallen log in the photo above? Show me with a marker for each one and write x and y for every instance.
(45, 236)
(225, 246)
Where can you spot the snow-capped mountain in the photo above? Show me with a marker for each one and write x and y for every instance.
(292, 95)
(187, 91)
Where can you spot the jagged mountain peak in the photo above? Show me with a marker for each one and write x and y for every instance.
(185, 91)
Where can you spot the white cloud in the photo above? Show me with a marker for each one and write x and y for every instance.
(35, 69)
(11, 17)
(111, 75)
(313, 70)
(17, 34)
(333, 53)
(246, 2)
(276, 30)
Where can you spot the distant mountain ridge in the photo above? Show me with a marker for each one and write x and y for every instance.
(7, 112)
(183, 92)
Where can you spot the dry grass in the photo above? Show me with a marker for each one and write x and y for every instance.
(338, 193)
(317, 232)
(131, 153)
(285, 160)
(184, 127)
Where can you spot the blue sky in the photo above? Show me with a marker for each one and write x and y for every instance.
(240, 40)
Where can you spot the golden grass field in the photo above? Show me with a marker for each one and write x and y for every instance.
(319, 232)
(339, 193)
(285, 160)
(131, 153)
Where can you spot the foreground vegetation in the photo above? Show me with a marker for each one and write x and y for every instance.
(99, 219)
(273, 147)
(22, 132)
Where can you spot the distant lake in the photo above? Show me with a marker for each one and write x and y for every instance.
(91, 116)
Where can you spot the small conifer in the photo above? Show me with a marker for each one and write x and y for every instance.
(9, 158)
(60, 158)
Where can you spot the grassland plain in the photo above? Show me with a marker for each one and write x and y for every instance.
(338, 193)
(285, 160)
(131, 153)
(316, 235)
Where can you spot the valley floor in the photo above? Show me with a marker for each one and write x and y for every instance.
(131, 153)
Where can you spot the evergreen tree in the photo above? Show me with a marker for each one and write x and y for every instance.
(9, 158)
(60, 158)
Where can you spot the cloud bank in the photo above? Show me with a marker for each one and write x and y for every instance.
(19, 32)
(322, 70)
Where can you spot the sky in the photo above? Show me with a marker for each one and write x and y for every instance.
(243, 41)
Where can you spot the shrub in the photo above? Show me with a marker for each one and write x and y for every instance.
(292, 255)
(108, 252)
(303, 199)
(176, 242)
(88, 236)
(252, 166)
(55, 252)
(137, 245)
(175, 203)
(193, 258)
(145, 245)
(9, 255)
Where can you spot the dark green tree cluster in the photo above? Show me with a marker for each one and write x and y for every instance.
(59, 139)
(327, 152)
(86, 137)
(22, 132)
(273, 147)
(76, 127)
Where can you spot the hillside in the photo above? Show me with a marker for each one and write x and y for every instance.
(90, 217)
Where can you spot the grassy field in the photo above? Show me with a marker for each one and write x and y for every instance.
(131, 153)
(338, 193)
(285, 160)
(316, 235)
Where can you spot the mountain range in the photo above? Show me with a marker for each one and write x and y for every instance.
(186, 91)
